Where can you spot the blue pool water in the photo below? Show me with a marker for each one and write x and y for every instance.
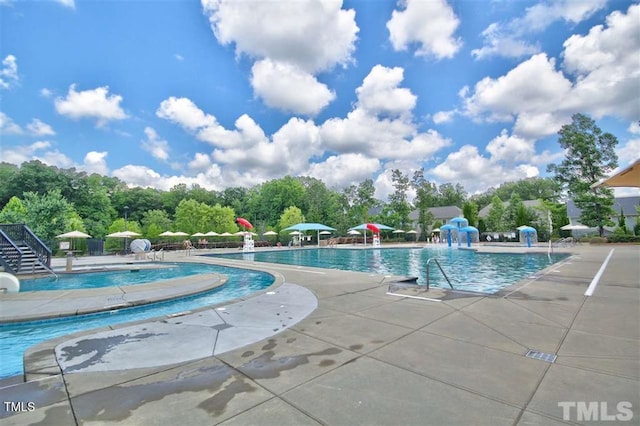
(467, 270)
(17, 338)
(113, 278)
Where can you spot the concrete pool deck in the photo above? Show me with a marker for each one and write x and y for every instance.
(364, 357)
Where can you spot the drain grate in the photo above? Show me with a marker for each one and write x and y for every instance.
(542, 356)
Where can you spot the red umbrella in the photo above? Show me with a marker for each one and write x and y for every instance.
(244, 222)
(373, 228)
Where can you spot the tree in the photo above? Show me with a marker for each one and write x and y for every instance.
(494, 217)
(154, 223)
(514, 214)
(470, 212)
(451, 195)
(118, 225)
(49, 215)
(13, 212)
(271, 198)
(292, 215)
(590, 156)
(359, 200)
(425, 196)
(398, 200)
(188, 216)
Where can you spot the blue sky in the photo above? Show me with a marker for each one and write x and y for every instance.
(233, 93)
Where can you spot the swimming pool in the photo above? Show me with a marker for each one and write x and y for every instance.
(17, 338)
(467, 269)
(132, 276)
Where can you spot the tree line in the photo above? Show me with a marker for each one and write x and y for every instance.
(52, 200)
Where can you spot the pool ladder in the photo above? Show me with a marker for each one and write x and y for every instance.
(441, 270)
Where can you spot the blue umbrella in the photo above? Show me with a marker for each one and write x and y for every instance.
(469, 230)
(448, 228)
(459, 221)
(527, 231)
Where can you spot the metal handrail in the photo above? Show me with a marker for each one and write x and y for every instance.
(441, 270)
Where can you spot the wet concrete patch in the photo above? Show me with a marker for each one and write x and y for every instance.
(24, 397)
(202, 390)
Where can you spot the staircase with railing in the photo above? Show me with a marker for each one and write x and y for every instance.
(22, 252)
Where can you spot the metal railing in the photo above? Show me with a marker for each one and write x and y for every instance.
(21, 233)
(441, 270)
(10, 254)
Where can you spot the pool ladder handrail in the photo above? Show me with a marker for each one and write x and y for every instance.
(441, 270)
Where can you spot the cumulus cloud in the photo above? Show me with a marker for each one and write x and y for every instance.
(477, 173)
(200, 162)
(289, 88)
(8, 72)
(540, 98)
(381, 129)
(95, 162)
(509, 39)
(292, 42)
(510, 148)
(444, 116)
(8, 126)
(146, 177)
(429, 24)
(155, 145)
(39, 128)
(339, 171)
(95, 103)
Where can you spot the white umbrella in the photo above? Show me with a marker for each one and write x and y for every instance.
(574, 227)
(226, 234)
(239, 233)
(71, 235)
(211, 234)
(398, 231)
(325, 232)
(124, 234)
(198, 234)
(180, 234)
(353, 232)
(415, 232)
(270, 233)
(295, 233)
(74, 234)
(167, 234)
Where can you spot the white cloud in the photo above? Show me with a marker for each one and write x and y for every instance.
(21, 153)
(605, 63)
(339, 171)
(381, 129)
(156, 146)
(200, 162)
(96, 103)
(477, 173)
(39, 128)
(604, 67)
(287, 87)
(8, 72)
(178, 57)
(71, 4)
(380, 95)
(45, 93)
(528, 93)
(634, 127)
(499, 43)
(629, 152)
(184, 112)
(430, 24)
(8, 126)
(95, 162)
(444, 116)
(146, 177)
(507, 39)
(303, 38)
(510, 148)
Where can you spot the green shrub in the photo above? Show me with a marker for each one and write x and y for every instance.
(597, 240)
(625, 238)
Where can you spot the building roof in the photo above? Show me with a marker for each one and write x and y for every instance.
(484, 212)
(440, 213)
(627, 204)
